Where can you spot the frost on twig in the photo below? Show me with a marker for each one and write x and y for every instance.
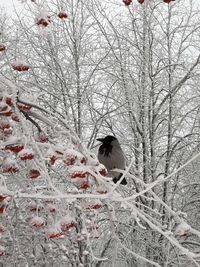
(53, 189)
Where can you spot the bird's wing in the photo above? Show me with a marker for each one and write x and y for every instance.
(115, 159)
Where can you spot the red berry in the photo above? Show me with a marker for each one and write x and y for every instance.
(24, 107)
(78, 174)
(53, 159)
(66, 227)
(36, 208)
(84, 185)
(2, 251)
(127, 2)
(7, 114)
(2, 47)
(168, 1)
(43, 21)
(42, 138)
(9, 101)
(103, 172)
(2, 197)
(94, 204)
(26, 154)
(14, 117)
(37, 222)
(54, 232)
(67, 223)
(54, 235)
(70, 160)
(33, 174)
(27, 157)
(20, 67)
(4, 125)
(10, 169)
(2, 209)
(62, 15)
(2, 228)
(14, 148)
(102, 190)
(51, 207)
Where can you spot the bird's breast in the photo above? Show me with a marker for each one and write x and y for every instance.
(113, 158)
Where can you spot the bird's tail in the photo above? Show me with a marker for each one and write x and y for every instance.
(116, 179)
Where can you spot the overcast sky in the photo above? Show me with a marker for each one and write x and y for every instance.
(8, 5)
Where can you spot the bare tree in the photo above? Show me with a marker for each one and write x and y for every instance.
(101, 67)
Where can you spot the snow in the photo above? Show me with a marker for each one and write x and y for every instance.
(182, 229)
(86, 220)
(2, 250)
(37, 221)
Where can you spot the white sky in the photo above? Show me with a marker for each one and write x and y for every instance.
(8, 5)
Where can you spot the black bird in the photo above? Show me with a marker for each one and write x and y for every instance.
(111, 156)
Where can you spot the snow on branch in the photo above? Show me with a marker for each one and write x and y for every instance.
(58, 188)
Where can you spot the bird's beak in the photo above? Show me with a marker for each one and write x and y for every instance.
(100, 139)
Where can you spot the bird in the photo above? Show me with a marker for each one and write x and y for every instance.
(111, 155)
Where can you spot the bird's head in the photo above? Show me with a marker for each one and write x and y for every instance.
(107, 140)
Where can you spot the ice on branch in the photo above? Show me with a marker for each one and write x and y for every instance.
(54, 192)
(182, 230)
